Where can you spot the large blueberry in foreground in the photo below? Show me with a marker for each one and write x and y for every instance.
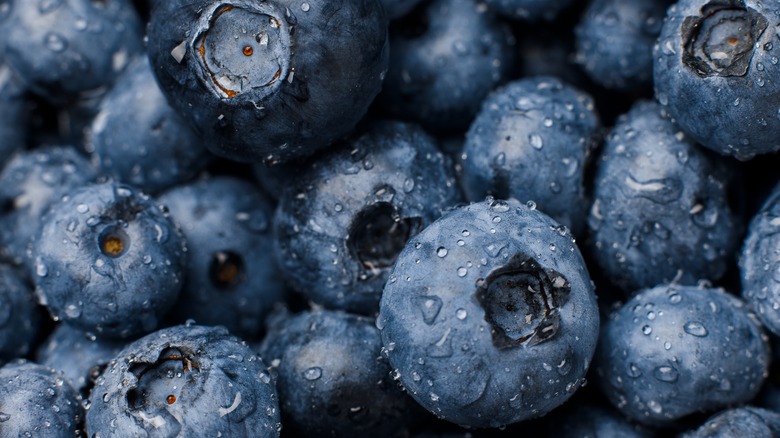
(269, 80)
(530, 141)
(63, 48)
(671, 351)
(35, 400)
(329, 377)
(489, 315)
(185, 381)
(745, 421)
(137, 138)
(716, 72)
(108, 260)
(660, 205)
(232, 277)
(342, 222)
(759, 263)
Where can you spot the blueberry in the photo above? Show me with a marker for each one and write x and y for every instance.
(716, 71)
(232, 278)
(36, 400)
(671, 351)
(329, 379)
(660, 205)
(185, 381)
(20, 317)
(759, 263)
(531, 141)
(137, 138)
(269, 80)
(591, 420)
(741, 421)
(343, 221)
(79, 355)
(615, 42)
(108, 260)
(530, 10)
(30, 182)
(13, 112)
(446, 57)
(65, 47)
(489, 315)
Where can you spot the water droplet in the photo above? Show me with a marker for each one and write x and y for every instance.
(305, 7)
(313, 373)
(408, 185)
(666, 373)
(461, 314)
(500, 159)
(441, 252)
(655, 406)
(55, 42)
(4, 417)
(72, 311)
(667, 345)
(40, 269)
(695, 328)
(633, 371)
(536, 141)
(675, 298)
(531, 205)
(548, 122)
(647, 330)
(434, 397)
(82, 208)
(430, 307)
(462, 271)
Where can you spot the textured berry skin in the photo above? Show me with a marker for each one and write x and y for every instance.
(298, 77)
(660, 207)
(36, 400)
(30, 182)
(742, 421)
(759, 263)
(489, 315)
(20, 316)
(615, 40)
(330, 380)
(671, 351)
(232, 278)
(109, 260)
(531, 141)
(13, 112)
(137, 138)
(717, 74)
(185, 381)
(342, 222)
(63, 48)
(529, 10)
(446, 57)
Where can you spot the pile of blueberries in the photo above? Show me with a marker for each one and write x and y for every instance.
(395, 218)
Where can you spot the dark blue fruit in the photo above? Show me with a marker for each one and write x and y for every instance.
(743, 421)
(13, 112)
(20, 316)
(269, 80)
(671, 351)
(341, 223)
(531, 141)
(489, 316)
(716, 71)
(660, 205)
(109, 260)
(185, 381)
(529, 10)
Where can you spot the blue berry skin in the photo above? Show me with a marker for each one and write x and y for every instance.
(398, 8)
(185, 381)
(30, 182)
(591, 420)
(13, 113)
(671, 351)
(759, 263)
(343, 221)
(66, 47)
(232, 278)
(79, 355)
(36, 400)
(329, 377)
(741, 421)
(531, 141)
(615, 42)
(108, 260)
(717, 74)
(529, 10)
(446, 57)
(660, 205)
(299, 76)
(138, 139)
(20, 316)
(489, 315)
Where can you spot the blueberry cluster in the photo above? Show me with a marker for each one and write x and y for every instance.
(389, 218)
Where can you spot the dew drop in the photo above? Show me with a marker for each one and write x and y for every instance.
(461, 314)
(55, 42)
(441, 252)
(666, 373)
(647, 330)
(536, 141)
(694, 328)
(313, 373)
(462, 271)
